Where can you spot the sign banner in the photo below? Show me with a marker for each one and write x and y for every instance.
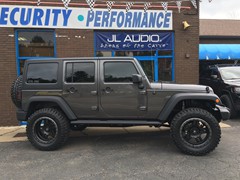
(133, 41)
(83, 18)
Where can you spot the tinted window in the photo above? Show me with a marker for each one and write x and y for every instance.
(119, 71)
(42, 73)
(80, 72)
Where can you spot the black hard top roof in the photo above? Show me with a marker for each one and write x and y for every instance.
(80, 58)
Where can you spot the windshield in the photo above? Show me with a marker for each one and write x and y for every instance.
(230, 73)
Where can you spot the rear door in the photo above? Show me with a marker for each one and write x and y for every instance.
(119, 97)
(80, 87)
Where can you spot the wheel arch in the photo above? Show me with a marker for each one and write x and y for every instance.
(39, 102)
(182, 101)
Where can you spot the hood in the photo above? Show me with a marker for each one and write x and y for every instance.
(233, 82)
(181, 87)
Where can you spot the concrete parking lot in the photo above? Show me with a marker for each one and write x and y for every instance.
(119, 153)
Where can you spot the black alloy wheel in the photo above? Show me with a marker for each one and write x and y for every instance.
(195, 131)
(45, 129)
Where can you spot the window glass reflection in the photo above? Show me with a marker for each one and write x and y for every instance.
(36, 44)
(135, 53)
(42, 73)
(119, 71)
(165, 69)
(103, 54)
(148, 67)
(80, 72)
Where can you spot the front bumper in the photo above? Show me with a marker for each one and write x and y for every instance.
(21, 115)
(224, 111)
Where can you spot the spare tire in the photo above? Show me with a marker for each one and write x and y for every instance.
(16, 92)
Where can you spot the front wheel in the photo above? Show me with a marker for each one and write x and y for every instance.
(195, 131)
(47, 129)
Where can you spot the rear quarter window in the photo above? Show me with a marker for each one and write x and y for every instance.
(42, 73)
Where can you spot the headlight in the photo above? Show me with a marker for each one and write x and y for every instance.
(236, 90)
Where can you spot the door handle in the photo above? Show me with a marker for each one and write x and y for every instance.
(72, 90)
(107, 90)
(94, 92)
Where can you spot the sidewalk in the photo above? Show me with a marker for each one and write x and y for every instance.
(18, 133)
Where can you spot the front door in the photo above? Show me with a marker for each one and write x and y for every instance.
(80, 87)
(119, 97)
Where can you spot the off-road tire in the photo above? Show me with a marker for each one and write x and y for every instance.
(16, 91)
(195, 114)
(227, 102)
(56, 118)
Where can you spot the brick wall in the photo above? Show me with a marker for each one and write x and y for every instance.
(7, 75)
(220, 40)
(186, 44)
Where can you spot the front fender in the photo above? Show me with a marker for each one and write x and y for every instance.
(172, 102)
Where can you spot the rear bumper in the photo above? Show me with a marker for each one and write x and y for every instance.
(21, 115)
(224, 111)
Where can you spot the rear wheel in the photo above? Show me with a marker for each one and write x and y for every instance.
(47, 129)
(195, 131)
(227, 102)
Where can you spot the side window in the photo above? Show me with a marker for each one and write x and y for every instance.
(119, 71)
(80, 72)
(42, 73)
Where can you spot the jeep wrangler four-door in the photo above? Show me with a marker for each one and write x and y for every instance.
(57, 95)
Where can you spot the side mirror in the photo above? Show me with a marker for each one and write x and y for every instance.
(214, 76)
(137, 78)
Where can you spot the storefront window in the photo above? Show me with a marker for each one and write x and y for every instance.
(165, 53)
(103, 54)
(165, 69)
(135, 53)
(34, 44)
(148, 67)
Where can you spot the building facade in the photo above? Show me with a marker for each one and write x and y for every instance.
(166, 50)
(219, 40)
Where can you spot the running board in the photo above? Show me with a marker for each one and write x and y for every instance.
(116, 122)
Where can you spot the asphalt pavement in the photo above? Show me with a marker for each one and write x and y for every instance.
(118, 153)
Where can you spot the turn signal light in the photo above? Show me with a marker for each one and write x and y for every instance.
(217, 101)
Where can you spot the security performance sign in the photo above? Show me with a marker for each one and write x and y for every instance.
(131, 41)
(83, 18)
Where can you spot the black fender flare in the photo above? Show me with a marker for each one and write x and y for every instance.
(58, 100)
(172, 102)
(227, 93)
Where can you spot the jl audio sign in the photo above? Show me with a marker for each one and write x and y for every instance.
(132, 41)
(83, 18)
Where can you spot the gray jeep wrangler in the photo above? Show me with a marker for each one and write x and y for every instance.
(57, 95)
